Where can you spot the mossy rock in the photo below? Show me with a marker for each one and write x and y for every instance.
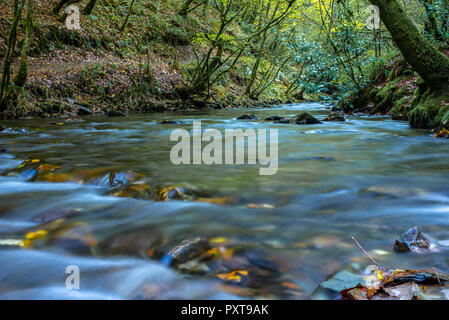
(430, 111)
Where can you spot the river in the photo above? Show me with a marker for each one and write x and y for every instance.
(369, 177)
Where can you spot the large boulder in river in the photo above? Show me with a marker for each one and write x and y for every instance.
(412, 241)
(304, 118)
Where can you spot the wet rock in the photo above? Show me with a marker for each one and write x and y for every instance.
(250, 269)
(113, 179)
(170, 193)
(3, 150)
(346, 278)
(283, 121)
(1, 129)
(335, 116)
(135, 191)
(55, 214)
(115, 113)
(131, 242)
(187, 250)
(83, 111)
(15, 130)
(118, 179)
(274, 118)
(412, 241)
(170, 122)
(390, 192)
(194, 267)
(247, 117)
(304, 118)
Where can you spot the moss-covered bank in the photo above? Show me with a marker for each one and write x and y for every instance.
(396, 90)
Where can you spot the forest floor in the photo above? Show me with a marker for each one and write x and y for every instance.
(101, 69)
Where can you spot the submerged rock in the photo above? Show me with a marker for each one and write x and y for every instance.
(131, 242)
(247, 117)
(55, 215)
(304, 118)
(335, 116)
(412, 241)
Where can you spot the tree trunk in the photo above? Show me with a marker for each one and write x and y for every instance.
(431, 64)
(89, 7)
(10, 48)
(22, 75)
(185, 7)
(61, 4)
(123, 27)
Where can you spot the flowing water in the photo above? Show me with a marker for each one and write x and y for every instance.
(368, 177)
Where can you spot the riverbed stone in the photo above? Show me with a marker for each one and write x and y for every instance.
(412, 241)
(170, 122)
(115, 113)
(247, 117)
(136, 242)
(274, 118)
(187, 250)
(304, 118)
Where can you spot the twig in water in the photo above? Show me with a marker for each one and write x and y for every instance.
(366, 253)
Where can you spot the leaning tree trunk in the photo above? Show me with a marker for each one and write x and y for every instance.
(89, 7)
(431, 64)
(22, 74)
(10, 48)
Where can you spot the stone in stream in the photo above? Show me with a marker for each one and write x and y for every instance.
(118, 179)
(83, 111)
(274, 118)
(335, 116)
(247, 117)
(304, 118)
(283, 121)
(1, 129)
(183, 252)
(170, 122)
(115, 113)
(169, 193)
(3, 150)
(56, 214)
(412, 241)
(137, 242)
